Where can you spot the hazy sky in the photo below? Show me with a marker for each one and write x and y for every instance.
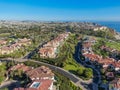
(60, 10)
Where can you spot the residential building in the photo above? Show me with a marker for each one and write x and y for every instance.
(49, 50)
(40, 73)
(110, 75)
(42, 77)
(115, 84)
(7, 49)
(22, 67)
(39, 85)
(3, 42)
(102, 28)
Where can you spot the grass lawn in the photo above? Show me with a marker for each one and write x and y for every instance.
(70, 67)
(4, 34)
(115, 45)
(111, 44)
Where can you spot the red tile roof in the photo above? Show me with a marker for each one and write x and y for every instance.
(44, 85)
(20, 67)
(93, 57)
(3, 42)
(115, 83)
(105, 61)
(40, 73)
(49, 49)
(110, 74)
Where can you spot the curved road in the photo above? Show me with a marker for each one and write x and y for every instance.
(77, 58)
(97, 77)
(76, 80)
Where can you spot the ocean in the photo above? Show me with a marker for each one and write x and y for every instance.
(113, 25)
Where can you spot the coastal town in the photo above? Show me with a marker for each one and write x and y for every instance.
(48, 55)
(59, 44)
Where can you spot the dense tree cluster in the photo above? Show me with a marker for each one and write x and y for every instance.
(2, 72)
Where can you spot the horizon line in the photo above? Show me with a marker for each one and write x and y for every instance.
(60, 20)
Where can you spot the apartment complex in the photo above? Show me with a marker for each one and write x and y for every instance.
(50, 49)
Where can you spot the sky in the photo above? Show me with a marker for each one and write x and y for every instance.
(50, 10)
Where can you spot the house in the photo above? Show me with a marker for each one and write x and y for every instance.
(22, 67)
(39, 85)
(113, 64)
(106, 62)
(43, 84)
(34, 74)
(40, 73)
(49, 50)
(53, 43)
(42, 77)
(3, 42)
(117, 65)
(96, 59)
(92, 57)
(15, 46)
(102, 28)
(113, 52)
(106, 48)
(86, 47)
(115, 84)
(6, 50)
(24, 41)
(110, 75)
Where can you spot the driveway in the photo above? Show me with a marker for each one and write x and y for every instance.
(10, 85)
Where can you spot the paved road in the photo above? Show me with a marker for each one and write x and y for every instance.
(97, 77)
(10, 85)
(76, 80)
(28, 55)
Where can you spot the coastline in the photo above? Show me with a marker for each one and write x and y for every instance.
(114, 25)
